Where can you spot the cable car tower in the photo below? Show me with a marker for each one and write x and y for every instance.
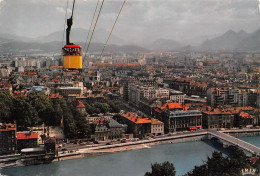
(72, 54)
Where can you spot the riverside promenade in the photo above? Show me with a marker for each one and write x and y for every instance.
(188, 136)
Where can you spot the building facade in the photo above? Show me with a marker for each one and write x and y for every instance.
(109, 130)
(177, 117)
(157, 127)
(217, 118)
(7, 139)
(26, 140)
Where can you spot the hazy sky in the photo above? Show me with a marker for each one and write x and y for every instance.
(141, 20)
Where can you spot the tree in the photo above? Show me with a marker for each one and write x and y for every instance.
(6, 104)
(57, 114)
(199, 171)
(218, 165)
(162, 169)
(90, 109)
(103, 107)
(24, 114)
(113, 108)
(82, 126)
(43, 106)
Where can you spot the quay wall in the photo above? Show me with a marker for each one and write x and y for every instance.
(186, 139)
(244, 134)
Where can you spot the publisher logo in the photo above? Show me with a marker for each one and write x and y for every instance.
(248, 172)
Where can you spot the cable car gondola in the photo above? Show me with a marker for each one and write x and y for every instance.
(72, 54)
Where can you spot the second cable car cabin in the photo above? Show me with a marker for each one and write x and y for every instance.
(72, 57)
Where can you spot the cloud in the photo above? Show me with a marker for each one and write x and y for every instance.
(60, 9)
(141, 21)
(63, 10)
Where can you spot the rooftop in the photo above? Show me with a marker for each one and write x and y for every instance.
(79, 104)
(26, 135)
(172, 106)
(7, 127)
(135, 118)
(217, 111)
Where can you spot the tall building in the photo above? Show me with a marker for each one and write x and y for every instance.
(126, 91)
(176, 96)
(217, 118)
(141, 126)
(7, 139)
(227, 96)
(177, 117)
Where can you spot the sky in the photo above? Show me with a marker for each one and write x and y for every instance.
(141, 21)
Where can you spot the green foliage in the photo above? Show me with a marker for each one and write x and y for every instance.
(97, 108)
(82, 127)
(163, 169)
(218, 165)
(103, 107)
(75, 124)
(24, 113)
(6, 104)
(57, 114)
(37, 108)
(113, 108)
(43, 106)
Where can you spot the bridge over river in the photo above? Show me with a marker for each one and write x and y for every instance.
(230, 140)
(226, 139)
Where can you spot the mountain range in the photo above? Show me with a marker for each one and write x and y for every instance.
(53, 42)
(229, 41)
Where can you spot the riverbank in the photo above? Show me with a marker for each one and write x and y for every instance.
(175, 138)
(180, 137)
(130, 163)
(109, 149)
(184, 156)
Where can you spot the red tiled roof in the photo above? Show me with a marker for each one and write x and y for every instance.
(79, 104)
(28, 73)
(135, 118)
(236, 110)
(7, 127)
(96, 122)
(26, 135)
(19, 94)
(156, 121)
(217, 111)
(197, 84)
(246, 115)
(102, 64)
(158, 110)
(126, 65)
(171, 106)
(55, 80)
(5, 85)
(55, 96)
(56, 66)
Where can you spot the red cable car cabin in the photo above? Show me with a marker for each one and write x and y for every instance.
(72, 57)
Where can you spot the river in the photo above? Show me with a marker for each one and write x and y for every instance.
(132, 163)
